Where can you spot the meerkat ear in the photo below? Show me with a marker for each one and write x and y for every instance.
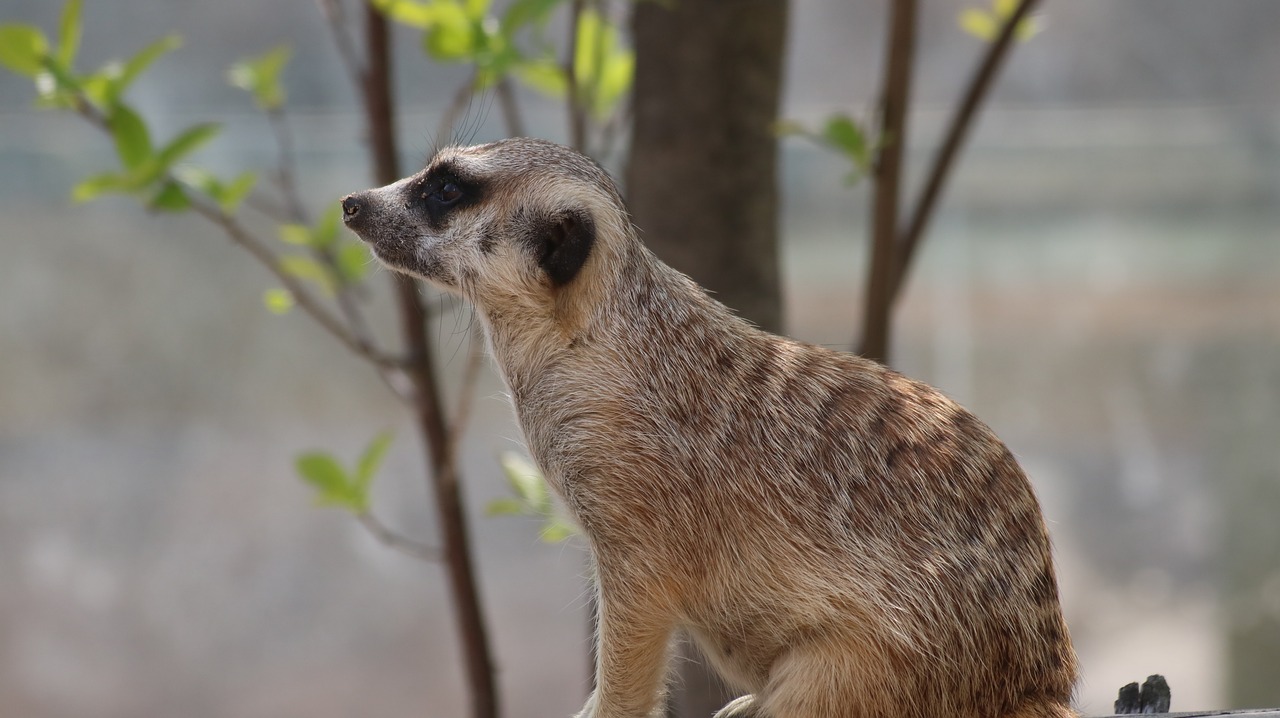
(566, 243)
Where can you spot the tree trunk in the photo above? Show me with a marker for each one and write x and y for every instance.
(701, 178)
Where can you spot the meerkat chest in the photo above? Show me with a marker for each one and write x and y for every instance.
(606, 447)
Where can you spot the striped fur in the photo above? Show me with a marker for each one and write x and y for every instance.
(839, 540)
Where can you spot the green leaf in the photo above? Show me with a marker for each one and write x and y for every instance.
(614, 82)
(184, 144)
(526, 12)
(322, 471)
(133, 141)
(69, 32)
(600, 65)
(56, 87)
(1004, 8)
(261, 76)
(170, 198)
(986, 25)
(846, 136)
(141, 61)
(96, 185)
(476, 9)
(309, 269)
(100, 87)
(1028, 28)
(372, 458)
(556, 530)
(527, 481)
(234, 193)
(543, 75)
(506, 507)
(199, 178)
(333, 488)
(23, 49)
(278, 301)
(451, 35)
(353, 262)
(979, 23)
(296, 234)
(532, 498)
(407, 12)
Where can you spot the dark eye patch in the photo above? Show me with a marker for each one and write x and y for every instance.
(444, 190)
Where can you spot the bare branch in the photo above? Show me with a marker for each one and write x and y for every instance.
(442, 473)
(301, 295)
(887, 176)
(976, 92)
(241, 236)
(337, 21)
(467, 389)
(612, 129)
(577, 112)
(510, 108)
(285, 165)
(268, 209)
(391, 539)
(286, 174)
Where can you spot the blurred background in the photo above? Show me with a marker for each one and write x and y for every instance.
(1101, 285)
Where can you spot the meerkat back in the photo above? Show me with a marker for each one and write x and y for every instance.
(838, 539)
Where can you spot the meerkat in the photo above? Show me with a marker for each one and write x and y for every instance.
(838, 539)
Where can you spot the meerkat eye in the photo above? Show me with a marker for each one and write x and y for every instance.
(447, 193)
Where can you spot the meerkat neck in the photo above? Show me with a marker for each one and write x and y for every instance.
(635, 299)
(525, 339)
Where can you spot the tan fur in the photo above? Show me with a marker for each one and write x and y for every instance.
(839, 539)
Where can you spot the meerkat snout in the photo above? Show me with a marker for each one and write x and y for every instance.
(351, 205)
(841, 541)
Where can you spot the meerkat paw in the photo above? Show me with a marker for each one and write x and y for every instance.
(744, 707)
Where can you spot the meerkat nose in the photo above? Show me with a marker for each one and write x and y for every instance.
(352, 205)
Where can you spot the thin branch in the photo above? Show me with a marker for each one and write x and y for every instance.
(592, 95)
(301, 296)
(577, 112)
(268, 209)
(391, 539)
(957, 131)
(285, 165)
(899, 52)
(241, 236)
(286, 173)
(612, 129)
(467, 389)
(510, 108)
(337, 22)
(442, 473)
(622, 114)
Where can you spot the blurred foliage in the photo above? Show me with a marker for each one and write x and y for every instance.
(146, 170)
(530, 497)
(985, 24)
(468, 31)
(852, 141)
(842, 135)
(338, 487)
(261, 77)
(161, 177)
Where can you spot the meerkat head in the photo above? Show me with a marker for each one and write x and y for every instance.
(519, 218)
